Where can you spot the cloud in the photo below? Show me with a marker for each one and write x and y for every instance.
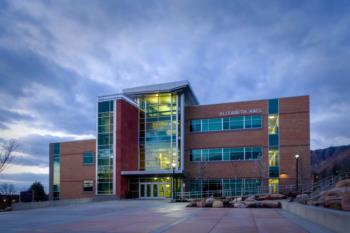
(56, 59)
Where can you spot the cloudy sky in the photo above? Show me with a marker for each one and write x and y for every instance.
(56, 57)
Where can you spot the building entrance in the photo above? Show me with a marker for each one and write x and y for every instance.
(152, 190)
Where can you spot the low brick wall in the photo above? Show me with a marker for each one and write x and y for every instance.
(43, 204)
(334, 220)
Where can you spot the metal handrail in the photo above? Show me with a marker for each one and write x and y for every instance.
(312, 188)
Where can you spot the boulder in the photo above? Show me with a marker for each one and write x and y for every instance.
(251, 204)
(333, 202)
(200, 203)
(270, 204)
(276, 196)
(192, 204)
(343, 183)
(226, 202)
(262, 197)
(209, 202)
(239, 205)
(218, 204)
(345, 202)
(250, 198)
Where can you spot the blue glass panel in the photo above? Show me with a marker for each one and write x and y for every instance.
(273, 172)
(256, 121)
(236, 122)
(273, 140)
(273, 106)
(215, 154)
(196, 155)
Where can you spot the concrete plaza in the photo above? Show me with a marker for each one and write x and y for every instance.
(152, 216)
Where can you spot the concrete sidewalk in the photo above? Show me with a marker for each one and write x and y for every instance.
(149, 216)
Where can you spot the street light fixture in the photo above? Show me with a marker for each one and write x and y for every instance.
(173, 165)
(297, 172)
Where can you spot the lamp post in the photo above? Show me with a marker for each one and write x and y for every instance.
(173, 165)
(297, 172)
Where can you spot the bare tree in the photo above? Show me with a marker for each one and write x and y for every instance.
(7, 188)
(7, 150)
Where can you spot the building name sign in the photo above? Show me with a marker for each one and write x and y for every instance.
(240, 112)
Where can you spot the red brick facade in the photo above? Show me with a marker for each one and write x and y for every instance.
(294, 135)
(73, 172)
(126, 144)
(294, 139)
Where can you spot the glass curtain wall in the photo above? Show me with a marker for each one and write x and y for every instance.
(56, 171)
(159, 131)
(273, 131)
(105, 148)
(225, 187)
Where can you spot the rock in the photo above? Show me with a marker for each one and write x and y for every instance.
(250, 198)
(209, 202)
(345, 202)
(192, 204)
(302, 196)
(251, 204)
(226, 202)
(218, 204)
(239, 205)
(276, 196)
(273, 196)
(343, 183)
(200, 203)
(333, 202)
(270, 204)
(262, 197)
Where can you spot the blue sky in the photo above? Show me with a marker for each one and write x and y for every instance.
(56, 57)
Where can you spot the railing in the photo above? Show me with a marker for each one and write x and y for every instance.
(314, 189)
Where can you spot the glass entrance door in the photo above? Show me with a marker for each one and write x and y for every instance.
(152, 190)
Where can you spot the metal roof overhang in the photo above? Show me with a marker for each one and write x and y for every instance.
(150, 173)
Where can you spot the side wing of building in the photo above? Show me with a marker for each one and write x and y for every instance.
(72, 169)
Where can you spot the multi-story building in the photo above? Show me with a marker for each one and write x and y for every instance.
(149, 135)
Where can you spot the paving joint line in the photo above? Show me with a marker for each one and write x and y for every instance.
(219, 220)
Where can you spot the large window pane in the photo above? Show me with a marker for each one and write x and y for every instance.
(273, 124)
(273, 106)
(215, 154)
(215, 124)
(236, 122)
(195, 126)
(196, 155)
(273, 140)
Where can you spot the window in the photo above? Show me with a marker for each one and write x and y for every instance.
(196, 155)
(215, 154)
(273, 140)
(226, 154)
(256, 121)
(274, 172)
(215, 124)
(234, 153)
(195, 126)
(273, 157)
(88, 185)
(88, 158)
(226, 123)
(273, 124)
(273, 185)
(253, 153)
(273, 106)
